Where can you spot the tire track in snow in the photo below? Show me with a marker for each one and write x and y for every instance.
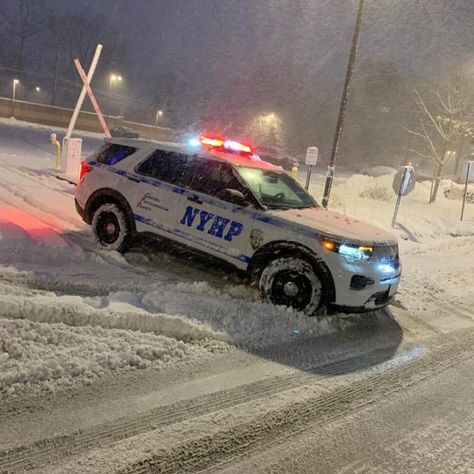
(44, 452)
(226, 446)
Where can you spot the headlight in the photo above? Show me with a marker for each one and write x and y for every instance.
(359, 252)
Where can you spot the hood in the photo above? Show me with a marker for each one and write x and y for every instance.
(334, 225)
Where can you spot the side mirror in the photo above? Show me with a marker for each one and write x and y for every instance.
(234, 196)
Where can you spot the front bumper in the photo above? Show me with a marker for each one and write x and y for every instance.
(379, 300)
(362, 286)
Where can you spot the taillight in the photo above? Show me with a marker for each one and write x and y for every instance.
(84, 168)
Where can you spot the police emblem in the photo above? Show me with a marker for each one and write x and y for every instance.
(256, 238)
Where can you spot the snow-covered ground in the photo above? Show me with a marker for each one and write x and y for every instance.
(70, 313)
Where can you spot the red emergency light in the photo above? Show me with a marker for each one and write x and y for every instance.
(226, 145)
(212, 142)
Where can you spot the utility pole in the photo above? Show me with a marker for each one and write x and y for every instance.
(342, 108)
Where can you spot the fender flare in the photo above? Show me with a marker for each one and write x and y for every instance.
(272, 250)
(103, 195)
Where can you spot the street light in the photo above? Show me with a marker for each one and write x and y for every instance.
(342, 108)
(15, 83)
(113, 79)
(159, 114)
(38, 89)
(268, 129)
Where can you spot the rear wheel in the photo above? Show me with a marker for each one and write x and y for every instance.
(293, 282)
(111, 228)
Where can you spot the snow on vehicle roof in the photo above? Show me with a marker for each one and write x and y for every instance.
(233, 159)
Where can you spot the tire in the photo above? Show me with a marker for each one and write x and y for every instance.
(292, 282)
(111, 228)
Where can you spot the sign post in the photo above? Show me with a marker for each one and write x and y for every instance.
(403, 183)
(470, 164)
(310, 161)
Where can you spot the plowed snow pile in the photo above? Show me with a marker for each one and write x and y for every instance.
(372, 199)
(48, 356)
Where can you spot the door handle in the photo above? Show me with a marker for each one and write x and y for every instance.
(135, 180)
(194, 199)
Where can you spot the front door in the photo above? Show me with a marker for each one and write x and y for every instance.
(206, 219)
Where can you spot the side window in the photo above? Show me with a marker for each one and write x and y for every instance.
(112, 153)
(212, 178)
(164, 165)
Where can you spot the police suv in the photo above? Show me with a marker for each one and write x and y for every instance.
(217, 197)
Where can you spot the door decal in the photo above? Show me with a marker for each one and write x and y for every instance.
(217, 226)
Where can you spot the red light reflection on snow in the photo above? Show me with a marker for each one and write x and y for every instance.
(32, 226)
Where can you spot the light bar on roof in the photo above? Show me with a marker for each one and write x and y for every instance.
(231, 146)
(236, 146)
(212, 142)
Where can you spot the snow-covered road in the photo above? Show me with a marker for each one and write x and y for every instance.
(89, 340)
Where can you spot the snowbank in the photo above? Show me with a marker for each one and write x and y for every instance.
(418, 219)
(36, 357)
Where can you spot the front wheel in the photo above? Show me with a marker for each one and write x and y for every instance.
(111, 228)
(293, 282)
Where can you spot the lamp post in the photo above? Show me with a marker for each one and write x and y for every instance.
(112, 80)
(342, 108)
(159, 114)
(15, 83)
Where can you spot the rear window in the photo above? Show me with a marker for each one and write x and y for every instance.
(110, 153)
(164, 165)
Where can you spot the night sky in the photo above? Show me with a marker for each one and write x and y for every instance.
(233, 59)
(220, 39)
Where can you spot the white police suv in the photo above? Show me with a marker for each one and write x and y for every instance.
(217, 197)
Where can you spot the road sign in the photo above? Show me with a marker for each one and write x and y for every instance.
(312, 156)
(310, 160)
(404, 181)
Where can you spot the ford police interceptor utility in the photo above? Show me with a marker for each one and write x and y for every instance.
(218, 197)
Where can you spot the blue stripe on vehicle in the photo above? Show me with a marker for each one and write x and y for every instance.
(266, 219)
(189, 237)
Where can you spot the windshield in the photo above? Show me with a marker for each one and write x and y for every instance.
(275, 189)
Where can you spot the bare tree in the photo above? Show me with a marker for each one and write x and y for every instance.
(77, 35)
(21, 22)
(443, 119)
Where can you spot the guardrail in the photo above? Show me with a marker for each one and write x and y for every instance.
(87, 121)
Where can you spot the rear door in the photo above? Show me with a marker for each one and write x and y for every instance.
(205, 216)
(152, 191)
(109, 164)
